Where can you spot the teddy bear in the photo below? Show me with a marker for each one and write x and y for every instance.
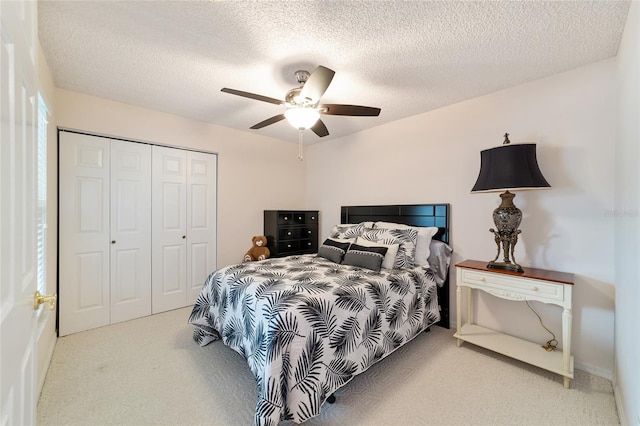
(259, 251)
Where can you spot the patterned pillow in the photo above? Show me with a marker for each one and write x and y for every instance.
(365, 257)
(406, 240)
(422, 242)
(389, 258)
(333, 250)
(349, 230)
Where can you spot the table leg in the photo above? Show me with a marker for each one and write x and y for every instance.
(458, 313)
(567, 317)
(469, 307)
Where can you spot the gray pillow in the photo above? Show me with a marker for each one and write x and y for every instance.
(333, 250)
(365, 257)
(439, 260)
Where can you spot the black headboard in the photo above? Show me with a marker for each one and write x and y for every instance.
(414, 215)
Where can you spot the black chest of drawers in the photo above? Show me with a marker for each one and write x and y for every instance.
(291, 232)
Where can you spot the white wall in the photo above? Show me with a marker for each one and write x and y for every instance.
(435, 157)
(627, 224)
(254, 172)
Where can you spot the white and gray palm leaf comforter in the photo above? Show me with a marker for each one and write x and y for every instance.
(307, 326)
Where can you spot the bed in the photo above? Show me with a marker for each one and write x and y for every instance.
(308, 324)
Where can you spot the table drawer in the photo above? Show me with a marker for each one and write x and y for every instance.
(513, 287)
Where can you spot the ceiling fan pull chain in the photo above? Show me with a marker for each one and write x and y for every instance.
(300, 144)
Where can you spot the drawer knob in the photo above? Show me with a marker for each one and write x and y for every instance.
(286, 218)
(535, 288)
(289, 233)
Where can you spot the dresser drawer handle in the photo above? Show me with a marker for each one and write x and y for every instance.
(534, 288)
(289, 233)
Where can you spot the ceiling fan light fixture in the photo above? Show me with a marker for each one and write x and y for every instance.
(303, 107)
(302, 118)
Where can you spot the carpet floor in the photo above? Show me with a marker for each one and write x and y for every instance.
(149, 371)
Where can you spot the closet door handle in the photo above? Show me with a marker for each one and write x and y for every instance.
(113, 241)
(184, 237)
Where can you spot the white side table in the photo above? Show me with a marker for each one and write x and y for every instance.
(534, 284)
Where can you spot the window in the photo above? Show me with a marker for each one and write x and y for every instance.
(41, 207)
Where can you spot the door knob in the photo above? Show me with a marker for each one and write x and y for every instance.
(39, 299)
(184, 237)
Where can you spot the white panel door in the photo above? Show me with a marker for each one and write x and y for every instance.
(201, 220)
(130, 230)
(169, 227)
(18, 139)
(84, 285)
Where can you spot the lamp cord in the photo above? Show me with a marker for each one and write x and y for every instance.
(551, 344)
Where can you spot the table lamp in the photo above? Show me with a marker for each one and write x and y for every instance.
(508, 167)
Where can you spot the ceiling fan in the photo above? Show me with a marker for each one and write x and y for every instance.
(302, 103)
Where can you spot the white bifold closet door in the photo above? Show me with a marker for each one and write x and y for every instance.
(183, 225)
(137, 229)
(105, 231)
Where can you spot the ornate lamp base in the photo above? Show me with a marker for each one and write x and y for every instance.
(507, 218)
(503, 265)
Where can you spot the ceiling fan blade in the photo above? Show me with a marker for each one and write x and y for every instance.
(320, 129)
(268, 121)
(252, 96)
(317, 84)
(356, 110)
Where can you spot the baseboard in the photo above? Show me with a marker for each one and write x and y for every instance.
(596, 371)
(622, 413)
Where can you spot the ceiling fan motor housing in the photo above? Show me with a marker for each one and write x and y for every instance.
(302, 76)
(293, 98)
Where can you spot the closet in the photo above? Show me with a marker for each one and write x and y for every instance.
(137, 229)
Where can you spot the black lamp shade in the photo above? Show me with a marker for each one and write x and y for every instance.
(509, 167)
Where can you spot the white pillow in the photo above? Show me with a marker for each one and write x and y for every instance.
(425, 234)
(389, 257)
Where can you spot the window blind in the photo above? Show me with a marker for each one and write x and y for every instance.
(42, 196)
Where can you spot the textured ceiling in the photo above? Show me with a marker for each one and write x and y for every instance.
(404, 57)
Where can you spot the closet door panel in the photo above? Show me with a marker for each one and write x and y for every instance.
(84, 232)
(130, 230)
(169, 228)
(201, 220)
